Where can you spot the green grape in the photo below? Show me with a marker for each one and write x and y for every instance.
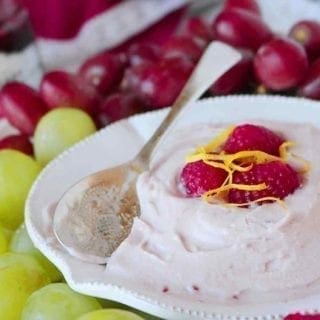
(3, 241)
(17, 173)
(109, 304)
(20, 275)
(58, 130)
(8, 233)
(110, 314)
(58, 302)
(21, 243)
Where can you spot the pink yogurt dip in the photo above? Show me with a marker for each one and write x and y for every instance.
(189, 251)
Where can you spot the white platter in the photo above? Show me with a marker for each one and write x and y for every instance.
(105, 149)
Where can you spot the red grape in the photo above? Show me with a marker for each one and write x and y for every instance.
(237, 78)
(181, 65)
(184, 46)
(310, 87)
(63, 89)
(117, 106)
(158, 84)
(241, 28)
(281, 64)
(18, 142)
(249, 5)
(197, 27)
(140, 53)
(307, 32)
(22, 106)
(103, 71)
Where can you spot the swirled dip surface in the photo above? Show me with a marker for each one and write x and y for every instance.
(188, 250)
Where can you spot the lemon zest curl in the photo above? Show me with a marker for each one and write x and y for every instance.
(242, 161)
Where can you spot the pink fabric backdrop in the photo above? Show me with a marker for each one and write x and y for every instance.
(62, 19)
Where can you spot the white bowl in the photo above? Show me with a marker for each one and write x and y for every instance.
(98, 152)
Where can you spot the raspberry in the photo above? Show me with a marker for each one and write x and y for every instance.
(252, 137)
(281, 180)
(198, 177)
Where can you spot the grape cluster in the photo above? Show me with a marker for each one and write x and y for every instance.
(111, 86)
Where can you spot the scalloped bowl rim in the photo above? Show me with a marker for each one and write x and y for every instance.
(136, 299)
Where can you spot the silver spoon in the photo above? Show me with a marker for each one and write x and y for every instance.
(96, 214)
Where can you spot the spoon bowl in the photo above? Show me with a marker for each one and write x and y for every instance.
(88, 210)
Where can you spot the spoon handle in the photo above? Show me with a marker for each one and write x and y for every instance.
(216, 60)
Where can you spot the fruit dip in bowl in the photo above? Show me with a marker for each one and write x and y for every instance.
(186, 248)
(189, 256)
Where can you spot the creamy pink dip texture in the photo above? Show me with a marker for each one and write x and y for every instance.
(188, 250)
